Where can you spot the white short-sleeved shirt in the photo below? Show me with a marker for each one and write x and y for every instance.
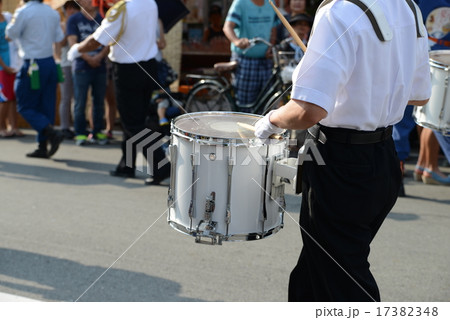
(36, 27)
(363, 83)
(138, 42)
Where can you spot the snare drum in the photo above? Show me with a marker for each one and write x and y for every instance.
(436, 113)
(221, 185)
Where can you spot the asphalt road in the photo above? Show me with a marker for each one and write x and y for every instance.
(71, 232)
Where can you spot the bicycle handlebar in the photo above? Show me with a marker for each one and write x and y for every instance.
(254, 41)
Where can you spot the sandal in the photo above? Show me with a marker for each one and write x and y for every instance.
(418, 173)
(17, 133)
(6, 134)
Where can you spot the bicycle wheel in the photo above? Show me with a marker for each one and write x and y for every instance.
(274, 102)
(208, 96)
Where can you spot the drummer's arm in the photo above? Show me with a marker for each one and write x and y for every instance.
(298, 115)
(418, 102)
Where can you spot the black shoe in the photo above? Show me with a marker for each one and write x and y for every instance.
(68, 134)
(38, 153)
(54, 137)
(401, 191)
(122, 173)
(156, 181)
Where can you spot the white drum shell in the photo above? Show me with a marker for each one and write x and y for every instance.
(203, 167)
(436, 113)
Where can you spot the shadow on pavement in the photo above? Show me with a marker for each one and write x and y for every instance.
(403, 216)
(98, 173)
(429, 199)
(65, 280)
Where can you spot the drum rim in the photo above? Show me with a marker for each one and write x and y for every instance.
(251, 236)
(205, 139)
(436, 63)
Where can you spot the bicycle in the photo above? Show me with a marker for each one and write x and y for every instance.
(215, 93)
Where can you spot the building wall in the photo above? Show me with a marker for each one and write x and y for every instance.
(10, 5)
(172, 52)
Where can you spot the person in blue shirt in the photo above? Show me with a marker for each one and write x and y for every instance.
(89, 70)
(245, 20)
(36, 27)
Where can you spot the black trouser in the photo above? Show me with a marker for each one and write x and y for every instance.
(133, 89)
(344, 204)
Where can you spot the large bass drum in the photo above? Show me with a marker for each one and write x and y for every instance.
(436, 113)
(221, 186)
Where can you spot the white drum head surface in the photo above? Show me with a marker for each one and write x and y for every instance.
(220, 125)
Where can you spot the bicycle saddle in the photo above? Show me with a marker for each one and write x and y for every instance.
(225, 66)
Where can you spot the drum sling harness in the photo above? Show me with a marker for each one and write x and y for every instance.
(378, 19)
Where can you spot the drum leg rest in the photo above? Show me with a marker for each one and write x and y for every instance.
(208, 239)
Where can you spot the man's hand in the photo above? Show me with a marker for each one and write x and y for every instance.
(264, 128)
(241, 43)
(73, 52)
(93, 61)
(9, 70)
(161, 43)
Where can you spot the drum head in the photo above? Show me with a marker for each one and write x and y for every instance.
(440, 57)
(218, 125)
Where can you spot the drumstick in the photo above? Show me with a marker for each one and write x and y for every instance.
(288, 27)
(252, 128)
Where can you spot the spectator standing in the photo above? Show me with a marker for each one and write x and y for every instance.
(89, 71)
(36, 27)
(246, 20)
(214, 30)
(110, 99)
(296, 7)
(301, 23)
(10, 63)
(66, 88)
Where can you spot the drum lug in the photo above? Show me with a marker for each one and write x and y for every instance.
(229, 181)
(210, 205)
(194, 164)
(209, 229)
(173, 166)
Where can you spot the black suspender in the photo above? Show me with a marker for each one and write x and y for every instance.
(413, 8)
(372, 18)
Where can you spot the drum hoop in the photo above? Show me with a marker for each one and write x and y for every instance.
(439, 65)
(233, 237)
(211, 140)
(436, 63)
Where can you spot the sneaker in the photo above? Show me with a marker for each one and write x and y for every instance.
(99, 138)
(163, 122)
(80, 140)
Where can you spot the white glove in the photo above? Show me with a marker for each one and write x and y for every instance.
(73, 52)
(264, 128)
